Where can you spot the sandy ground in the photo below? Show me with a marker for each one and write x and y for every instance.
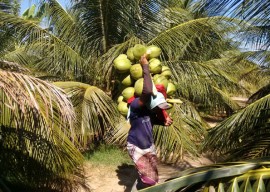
(101, 178)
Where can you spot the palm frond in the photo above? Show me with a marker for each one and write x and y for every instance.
(96, 111)
(248, 124)
(57, 56)
(119, 135)
(244, 69)
(176, 139)
(261, 57)
(11, 66)
(234, 176)
(195, 82)
(36, 132)
(67, 27)
(244, 9)
(254, 12)
(228, 101)
(264, 91)
(191, 37)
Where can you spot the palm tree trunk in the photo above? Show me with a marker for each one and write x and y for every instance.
(102, 27)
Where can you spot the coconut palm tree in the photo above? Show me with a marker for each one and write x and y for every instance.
(80, 45)
(83, 43)
(38, 144)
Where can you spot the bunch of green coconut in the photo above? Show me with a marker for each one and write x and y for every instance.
(133, 81)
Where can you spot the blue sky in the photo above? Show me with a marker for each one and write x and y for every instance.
(27, 3)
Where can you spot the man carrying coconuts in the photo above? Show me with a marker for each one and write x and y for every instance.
(144, 111)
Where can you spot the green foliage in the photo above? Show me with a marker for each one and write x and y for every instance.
(36, 134)
(108, 155)
(246, 133)
(80, 44)
(96, 113)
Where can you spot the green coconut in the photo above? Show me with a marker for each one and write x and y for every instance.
(130, 55)
(122, 64)
(166, 71)
(122, 56)
(136, 71)
(171, 89)
(120, 98)
(138, 51)
(123, 108)
(153, 51)
(161, 80)
(128, 93)
(138, 86)
(156, 77)
(155, 66)
(128, 81)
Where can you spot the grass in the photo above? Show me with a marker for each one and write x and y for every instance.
(108, 155)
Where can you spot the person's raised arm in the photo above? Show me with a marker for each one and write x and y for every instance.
(147, 81)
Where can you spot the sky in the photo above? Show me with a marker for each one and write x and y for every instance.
(25, 4)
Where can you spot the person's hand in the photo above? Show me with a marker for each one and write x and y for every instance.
(144, 60)
(168, 121)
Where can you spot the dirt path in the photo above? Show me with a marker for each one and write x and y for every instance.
(102, 178)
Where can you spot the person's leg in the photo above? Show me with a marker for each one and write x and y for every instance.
(146, 164)
(147, 168)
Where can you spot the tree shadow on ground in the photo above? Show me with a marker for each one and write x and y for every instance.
(127, 175)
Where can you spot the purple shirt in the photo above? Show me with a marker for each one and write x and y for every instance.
(140, 133)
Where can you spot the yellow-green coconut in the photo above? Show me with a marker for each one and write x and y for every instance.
(120, 98)
(171, 89)
(138, 51)
(153, 51)
(138, 86)
(122, 64)
(161, 80)
(155, 77)
(123, 108)
(128, 93)
(130, 55)
(136, 71)
(128, 81)
(166, 71)
(155, 66)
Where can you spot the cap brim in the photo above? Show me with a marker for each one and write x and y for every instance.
(164, 106)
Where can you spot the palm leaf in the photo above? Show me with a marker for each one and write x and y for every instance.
(11, 66)
(254, 12)
(60, 57)
(199, 82)
(175, 141)
(249, 75)
(259, 94)
(245, 9)
(224, 177)
(96, 112)
(36, 133)
(248, 124)
(119, 135)
(191, 37)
